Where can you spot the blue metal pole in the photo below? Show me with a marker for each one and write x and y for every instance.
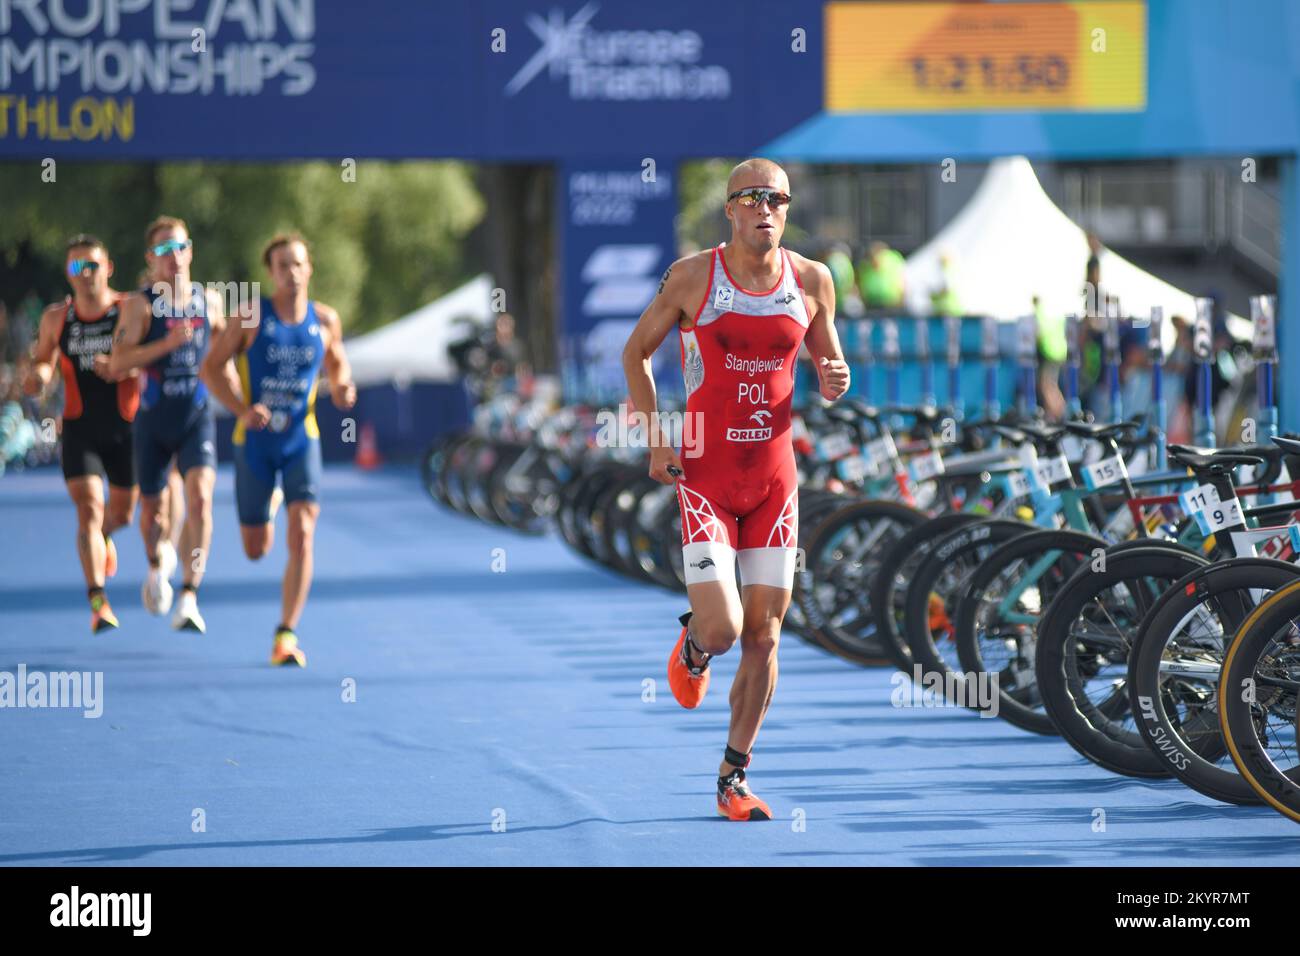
(989, 351)
(1156, 352)
(1111, 343)
(924, 360)
(1263, 315)
(865, 328)
(893, 353)
(952, 335)
(1073, 405)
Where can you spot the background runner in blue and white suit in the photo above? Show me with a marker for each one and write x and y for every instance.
(166, 332)
(279, 350)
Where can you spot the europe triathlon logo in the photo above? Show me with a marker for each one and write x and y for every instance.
(620, 64)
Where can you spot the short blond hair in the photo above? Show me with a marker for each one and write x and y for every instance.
(163, 222)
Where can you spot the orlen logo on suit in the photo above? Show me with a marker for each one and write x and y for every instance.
(753, 434)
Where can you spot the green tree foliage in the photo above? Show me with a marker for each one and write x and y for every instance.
(382, 245)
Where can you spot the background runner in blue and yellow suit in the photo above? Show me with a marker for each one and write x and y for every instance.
(279, 350)
(166, 333)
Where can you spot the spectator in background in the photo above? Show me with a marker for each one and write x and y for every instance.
(23, 323)
(1178, 366)
(1224, 374)
(1093, 298)
(505, 353)
(944, 300)
(1052, 349)
(880, 277)
(1134, 374)
(839, 261)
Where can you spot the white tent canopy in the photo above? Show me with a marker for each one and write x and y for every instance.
(414, 347)
(1011, 242)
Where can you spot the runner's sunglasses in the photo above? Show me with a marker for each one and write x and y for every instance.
(77, 266)
(753, 197)
(171, 245)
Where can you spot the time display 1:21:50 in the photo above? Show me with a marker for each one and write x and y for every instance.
(987, 74)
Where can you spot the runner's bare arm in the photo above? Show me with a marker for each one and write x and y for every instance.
(343, 393)
(47, 344)
(679, 294)
(218, 322)
(132, 326)
(217, 371)
(823, 342)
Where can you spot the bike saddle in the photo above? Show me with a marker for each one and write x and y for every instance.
(1100, 429)
(1041, 431)
(841, 413)
(866, 410)
(1210, 460)
(929, 414)
(1014, 435)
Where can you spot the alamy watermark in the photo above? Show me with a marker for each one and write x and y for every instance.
(81, 690)
(237, 298)
(624, 428)
(977, 690)
(75, 908)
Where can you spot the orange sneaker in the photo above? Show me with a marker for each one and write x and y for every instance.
(286, 650)
(737, 802)
(110, 558)
(940, 623)
(102, 617)
(689, 682)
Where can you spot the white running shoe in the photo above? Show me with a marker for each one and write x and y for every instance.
(277, 499)
(167, 559)
(186, 617)
(156, 593)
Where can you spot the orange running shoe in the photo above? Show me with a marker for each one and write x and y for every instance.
(101, 615)
(940, 623)
(110, 558)
(689, 682)
(286, 650)
(737, 802)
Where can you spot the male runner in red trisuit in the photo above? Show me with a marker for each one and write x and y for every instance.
(739, 497)
(98, 408)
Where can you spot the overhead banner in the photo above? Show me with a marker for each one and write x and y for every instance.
(942, 57)
(617, 239)
(500, 79)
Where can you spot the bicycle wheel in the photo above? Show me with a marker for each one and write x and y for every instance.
(1258, 691)
(889, 590)
(841, 558)
(1175, 666)
(998, 616)
(931, 599)
(1083, 646)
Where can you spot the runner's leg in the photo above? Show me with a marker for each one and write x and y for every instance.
(87, 493)
(254, 488)
(197, 537)
(751, 691)
(298, 571)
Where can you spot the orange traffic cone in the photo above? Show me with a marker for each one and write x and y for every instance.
(368, 449)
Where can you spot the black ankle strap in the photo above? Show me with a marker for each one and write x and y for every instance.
(735, 757)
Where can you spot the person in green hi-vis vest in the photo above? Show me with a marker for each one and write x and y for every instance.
(943, 300)
(1052, 351)
(837, 259)
(880, 277)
